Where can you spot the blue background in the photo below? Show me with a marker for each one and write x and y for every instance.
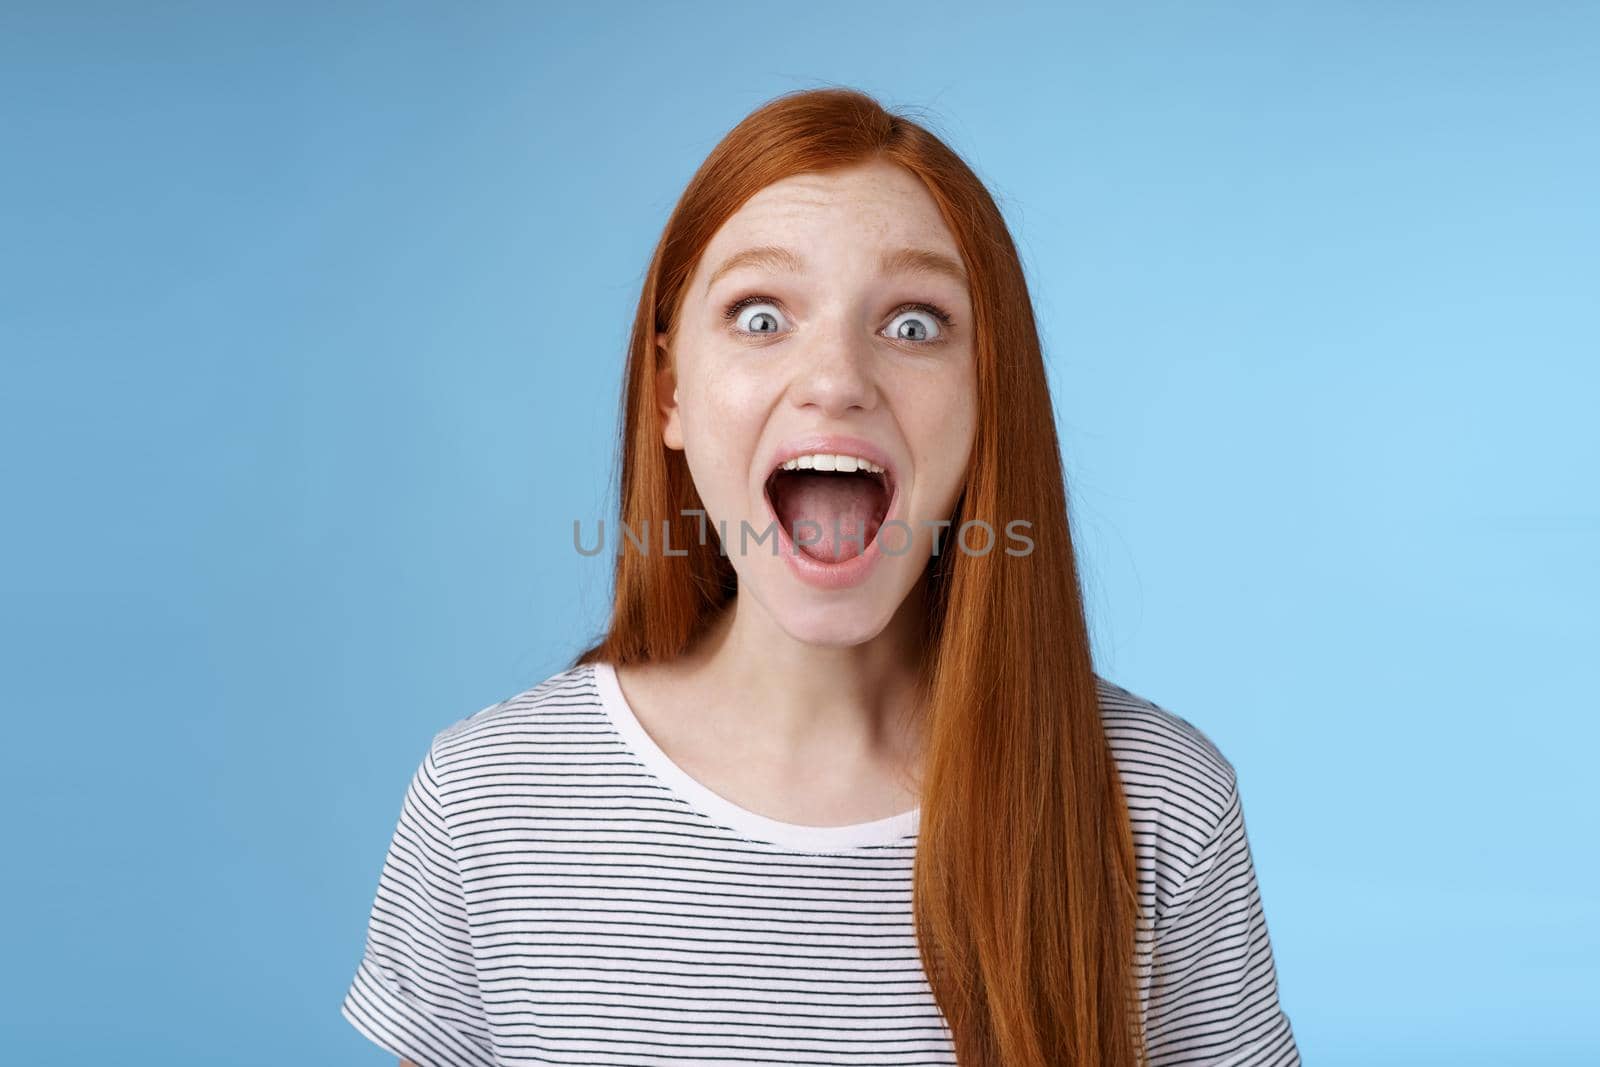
(313, 318)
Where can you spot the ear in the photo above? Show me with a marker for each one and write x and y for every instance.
(667, 396)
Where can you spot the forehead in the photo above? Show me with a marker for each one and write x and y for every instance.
(877, 203)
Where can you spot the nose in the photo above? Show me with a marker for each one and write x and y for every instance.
(835, 373)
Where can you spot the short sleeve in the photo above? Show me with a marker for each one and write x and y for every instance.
(1214, 987)
(415, 992)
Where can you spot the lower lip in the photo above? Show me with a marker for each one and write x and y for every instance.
(822, 575)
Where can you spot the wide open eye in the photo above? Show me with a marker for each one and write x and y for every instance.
(921, 324)
(755, 315)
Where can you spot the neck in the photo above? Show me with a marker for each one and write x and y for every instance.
(795, 702)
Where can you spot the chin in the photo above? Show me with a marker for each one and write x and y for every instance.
(831, 621)
(831, 633)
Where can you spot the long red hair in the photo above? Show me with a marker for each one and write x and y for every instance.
(1025, 879)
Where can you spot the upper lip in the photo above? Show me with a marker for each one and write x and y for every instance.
(836, 444)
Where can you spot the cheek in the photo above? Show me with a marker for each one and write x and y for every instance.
(724, 405)
(722, 415)
(941, 418)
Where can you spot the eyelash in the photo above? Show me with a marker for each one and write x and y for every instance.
(731, 312)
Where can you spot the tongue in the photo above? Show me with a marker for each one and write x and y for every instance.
(848, 503)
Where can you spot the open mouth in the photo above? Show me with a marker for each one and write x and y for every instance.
(831, 506)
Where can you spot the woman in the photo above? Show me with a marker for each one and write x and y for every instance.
(839, 784)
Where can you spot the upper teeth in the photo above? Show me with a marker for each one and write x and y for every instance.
(829, 461)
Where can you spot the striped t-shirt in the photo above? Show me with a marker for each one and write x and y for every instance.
(559, 891)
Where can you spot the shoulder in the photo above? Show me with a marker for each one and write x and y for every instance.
(1172, 773)
(564, 702)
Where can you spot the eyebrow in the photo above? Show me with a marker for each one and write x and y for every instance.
(900, 261)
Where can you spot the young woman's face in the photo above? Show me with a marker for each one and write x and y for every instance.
(829, 316)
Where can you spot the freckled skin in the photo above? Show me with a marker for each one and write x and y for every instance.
(835, 362)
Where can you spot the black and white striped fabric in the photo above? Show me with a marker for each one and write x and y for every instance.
(558, 891)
